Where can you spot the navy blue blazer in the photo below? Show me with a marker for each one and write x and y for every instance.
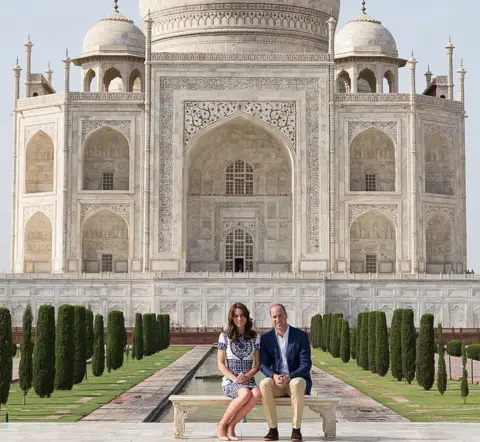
(298, 355)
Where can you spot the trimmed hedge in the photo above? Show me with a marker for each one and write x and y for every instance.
(14, 349)
(344, 341)
(464, 381)
(426, 352)
(80, 344)
(167, 330)
(89, 333)
(137, 352)
(159, 332)
(115, 340)
(44, 352)
(98, 357)
(358, 336)
(319, 330)
(409, 341)
(363, 354)
(473, 352)
(353, 346)
(324, 332)
(372, 324)
(454, 347)
(442, 369)
(25, 370)
(338, 337)
(396, 345)
(163, 337)
(382, 355)
(313, 331)
(5, 354)
(149, 328)
(328, 324)
(65, 348)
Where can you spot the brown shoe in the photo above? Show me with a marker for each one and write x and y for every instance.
(296, 434)
(272, 434)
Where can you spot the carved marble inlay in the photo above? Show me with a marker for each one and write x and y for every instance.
(123, 210)
(430, 211)
(48, 128)
(46, 209)
(448, 131)
(250, 226)
(309, 86)
(279, 114)
(124, 126)
(355, 127)
(356, 210)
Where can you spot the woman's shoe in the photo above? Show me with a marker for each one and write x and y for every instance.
(231, 434)
(223, 438)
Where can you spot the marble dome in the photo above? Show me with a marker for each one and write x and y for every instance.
(365, 36)
(268, 26)
(114, 35)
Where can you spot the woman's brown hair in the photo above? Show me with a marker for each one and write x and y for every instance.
(232, 330)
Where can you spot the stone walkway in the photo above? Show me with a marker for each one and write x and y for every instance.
(141, 403)
(251, 432)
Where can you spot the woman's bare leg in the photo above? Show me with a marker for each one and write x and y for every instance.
(244, 396)
(255, 397)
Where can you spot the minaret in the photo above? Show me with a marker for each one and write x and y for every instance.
(16, 95)
(461, 80)
(28, 66)
(147, 140)
(463, 191)
(412, 63)
(66, 117)
(428, 77)
(450, 49)
(49, 73)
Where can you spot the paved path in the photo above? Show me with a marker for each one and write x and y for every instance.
(251, 432)
(457, 368)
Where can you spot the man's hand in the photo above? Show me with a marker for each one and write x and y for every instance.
(281, 380)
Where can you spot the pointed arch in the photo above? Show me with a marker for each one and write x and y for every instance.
(135, 83)
(372, 162)
(389, 81)
(372, 243)
(367, 81)
(239, 178)
(88, 81)
(344, 83)
(439, 165)
(106, 160)
(439, 244)
(37, 255)
(105, 243)
(39, 164)
(113, 81)
(215, 316)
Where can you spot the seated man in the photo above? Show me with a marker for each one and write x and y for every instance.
(286, 361)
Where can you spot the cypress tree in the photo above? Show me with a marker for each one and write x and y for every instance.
(25, 370)
(5, 354)
(324, 332)
(138, 337)
(328, 320)
(149, 321)
(353, 352)
(442, 369)
(318, 331)
(89, 333)
(163, 338)
(98, 356)
(115, 340)
(333, 333)
(464, 383)
(345, 341)
(65, 348)
(44, 352)
(426, 352)
(382, 356)
(338, 338)
(158, 333)
(372, 327)
(364, 341)
(313, 331)
(167, 330)
(408, 345)
(358, 337)
(80, 344)
(396, 344)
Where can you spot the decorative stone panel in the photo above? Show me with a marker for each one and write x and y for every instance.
(356, 210)
(250, 226)
(124, 210)
(448, 131)
(123, 126)
(46, 209)
(431, 210)
(48, 128)
(278, 114)
(356, 127)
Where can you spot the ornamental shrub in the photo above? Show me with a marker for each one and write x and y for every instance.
(454, 347)
(333, 333)
(473, 352)
(89, 333)
(318, 331)
(382, 354)
(98, 357)
(338, 337)
(80, 344)
(44, 352)
(149, 321)
(313, 331)
(167, 330)
(163, 332)
(364, 341)
(353, 345)
(138, 337)
(65, 348)
(14, 349)
(396, 345)
(358, 336)
(159, 332)
(25, 370)
(5, 354)
(326, 334)
(115, 340)
(426, 352)
(441, 369)
(345, 341)
(464, 382)
(372, 324)
(408, 345)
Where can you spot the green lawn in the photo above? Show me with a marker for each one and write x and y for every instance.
(410, 401)
(71, 406)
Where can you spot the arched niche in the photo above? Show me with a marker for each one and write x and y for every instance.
(389, 82)
(372, 244)
(372, 162)
(439, 167)
(39, 164)
(105, 243)
(263, 162)
(367, 81)
(135, 81)
(37, 255)
(439, 245)
(89, 82)
(344, 83)
(106, 160)
(113, 81)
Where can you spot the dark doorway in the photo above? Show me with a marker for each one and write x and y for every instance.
(239, 265)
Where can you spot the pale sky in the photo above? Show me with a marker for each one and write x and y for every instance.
(421, 25)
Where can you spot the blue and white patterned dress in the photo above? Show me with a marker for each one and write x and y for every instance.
(239, 359)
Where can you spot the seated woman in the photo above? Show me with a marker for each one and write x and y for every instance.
(239, 361)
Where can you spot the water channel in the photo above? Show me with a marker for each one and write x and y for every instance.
(208, 381)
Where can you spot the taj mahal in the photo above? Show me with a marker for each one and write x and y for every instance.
(247, 150)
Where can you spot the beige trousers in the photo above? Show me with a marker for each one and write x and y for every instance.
(295, 389)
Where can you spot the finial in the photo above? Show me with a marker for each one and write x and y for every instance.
(364, 7)
(116, 6)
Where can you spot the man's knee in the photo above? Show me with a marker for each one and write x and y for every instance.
(267, 384)
(298, 385)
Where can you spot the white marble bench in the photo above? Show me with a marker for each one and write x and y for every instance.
(326, 407)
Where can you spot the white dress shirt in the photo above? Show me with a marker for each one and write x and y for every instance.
(282, 345)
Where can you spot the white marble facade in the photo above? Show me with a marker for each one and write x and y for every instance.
(265, 146)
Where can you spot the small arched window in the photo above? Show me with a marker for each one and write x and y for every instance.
(239, 179)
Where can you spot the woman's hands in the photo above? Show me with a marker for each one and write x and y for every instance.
(242, 379)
